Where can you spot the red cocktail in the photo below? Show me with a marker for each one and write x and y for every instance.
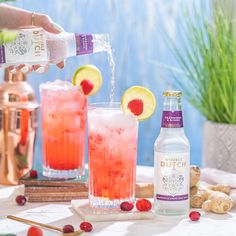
(113, 139)
(63, 109)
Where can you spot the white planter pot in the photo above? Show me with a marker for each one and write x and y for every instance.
(219, 146)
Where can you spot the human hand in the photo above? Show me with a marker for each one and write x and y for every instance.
(15, 18)
(45, 22)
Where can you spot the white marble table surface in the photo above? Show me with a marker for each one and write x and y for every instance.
(59, 214)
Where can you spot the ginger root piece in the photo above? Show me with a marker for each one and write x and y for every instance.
(211, 198)
(194, 175)
(193, 190)
(217, 202)
(197, 200)
(221, 188)
(198, 195)
(144, 190)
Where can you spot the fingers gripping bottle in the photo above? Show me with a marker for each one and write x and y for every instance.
(172, 157)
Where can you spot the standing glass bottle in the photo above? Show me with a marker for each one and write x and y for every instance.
(172, 158)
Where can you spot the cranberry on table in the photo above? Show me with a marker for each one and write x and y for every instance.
(126, 206)
(34, 231)
(86, 226)
(194, 215)
(68, 229)
(21, 200)
(34, 174)
(143, 205)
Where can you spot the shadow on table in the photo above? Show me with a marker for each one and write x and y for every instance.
(217, 216)
(158, 225)
(8, 192)
(103, 228)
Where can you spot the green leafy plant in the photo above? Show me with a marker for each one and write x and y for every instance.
(7, 36)
(207, 57)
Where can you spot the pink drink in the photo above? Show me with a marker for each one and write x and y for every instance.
(63, 109)
(113, 139)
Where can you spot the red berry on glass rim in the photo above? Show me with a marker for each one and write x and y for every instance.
(143, 205)
(87, 86)
(88, 78)
(126, 206)
(139, 101)
(194, 215)
(86, 226)
(34, 231)
(21, 200)
(34, 174)
(68, 229)
(136, 106)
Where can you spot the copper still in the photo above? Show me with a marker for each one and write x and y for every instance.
(18, 125)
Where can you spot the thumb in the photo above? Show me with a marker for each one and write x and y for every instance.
(47, 24)
(52, 27)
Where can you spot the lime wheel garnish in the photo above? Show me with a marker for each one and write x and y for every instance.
(139, 101)
(88, 78)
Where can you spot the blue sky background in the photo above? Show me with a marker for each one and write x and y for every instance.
(136, 28)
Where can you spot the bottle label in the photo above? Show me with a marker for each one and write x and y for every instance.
(29, 46)
(2, 55)
(172, 119)
(84, 44)
(171, 176)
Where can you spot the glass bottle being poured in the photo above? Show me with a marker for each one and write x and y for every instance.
(36, 46)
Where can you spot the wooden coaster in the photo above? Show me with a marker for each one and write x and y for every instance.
(43, 189)
(89, 214)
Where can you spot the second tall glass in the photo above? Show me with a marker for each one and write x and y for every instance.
(113, 138)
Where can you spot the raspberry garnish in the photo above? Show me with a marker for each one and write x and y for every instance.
(34, 174)
(136, 106)
(68, 229)
(86, 226)
(194, 215)
(87, 86)
(21, 200)
(143, 205)
(126, 206)
(34, 231)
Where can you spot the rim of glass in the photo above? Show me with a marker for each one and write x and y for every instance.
(52, 86)
(108, 106)
(105, 105)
